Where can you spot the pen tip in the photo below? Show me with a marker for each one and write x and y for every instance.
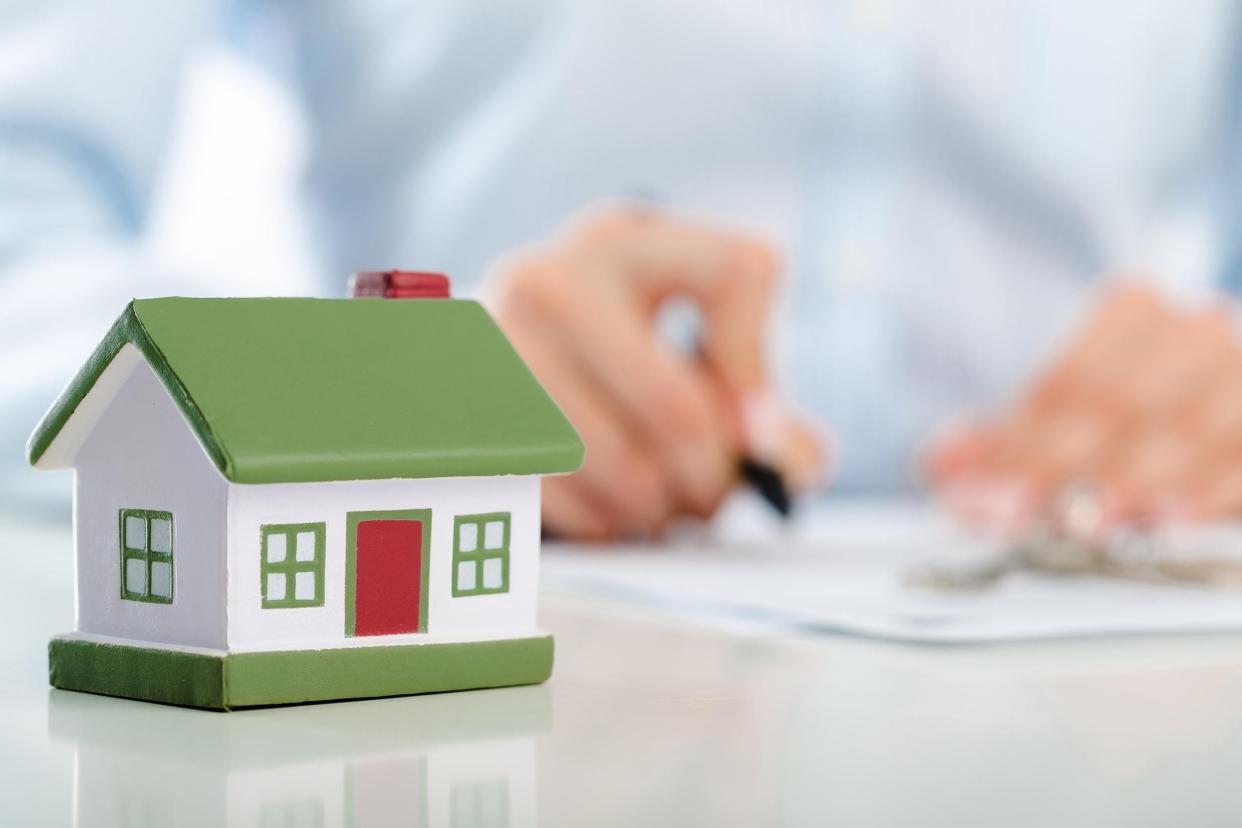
(769, 483)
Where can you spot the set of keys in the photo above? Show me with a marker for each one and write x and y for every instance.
(1070, 542)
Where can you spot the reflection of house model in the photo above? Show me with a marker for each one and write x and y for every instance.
(286, 500)
(437, 760)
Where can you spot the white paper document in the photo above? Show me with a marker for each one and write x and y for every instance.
(844, 569)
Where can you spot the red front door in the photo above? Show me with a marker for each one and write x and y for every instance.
(388, 577)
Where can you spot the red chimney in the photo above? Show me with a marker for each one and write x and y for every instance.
(399, 284)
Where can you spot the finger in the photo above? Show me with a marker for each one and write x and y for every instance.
(1214, 429)
(956, 449)
(1067, 429)
(665, 400)
(1151, 477)
(1159, 401)
(608, 333)
(731, 277)
(1219, 417)
(620, 473)
(569, 512)
(736, 315)
(806, 454)
(1116, 333)
(1118, 336)
(982, 483)
(1212, 424)
(1191, 350)
(999, 504)
(1220, 496)
(1047, 452)
(1187, 403)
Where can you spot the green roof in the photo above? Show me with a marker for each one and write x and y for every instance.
(296, 390)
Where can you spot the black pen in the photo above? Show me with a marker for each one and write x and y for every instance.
(768, 482)
(763, 477)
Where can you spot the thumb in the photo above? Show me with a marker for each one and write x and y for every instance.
(736, 315)
(731, 277)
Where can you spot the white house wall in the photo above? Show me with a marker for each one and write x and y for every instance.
(142, 455)
(504, 615)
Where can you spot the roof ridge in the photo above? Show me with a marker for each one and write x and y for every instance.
(184, 400)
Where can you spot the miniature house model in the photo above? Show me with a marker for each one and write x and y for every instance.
(288, 500)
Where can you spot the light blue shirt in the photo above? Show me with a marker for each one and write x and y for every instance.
(947, 179)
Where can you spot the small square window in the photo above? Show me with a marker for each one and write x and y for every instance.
(161, 579)
(494, 535)
(467, 537)
(306, 546)
(146, 550)
(136, 576)
(135, 532)
(466, 575)
(276, 548)
(481, 554)
(161, 535)
(493, 573)
(304, 586)
(291, 565)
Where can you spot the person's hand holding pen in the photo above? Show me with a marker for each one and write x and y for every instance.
(664, 429)
(1144, 407)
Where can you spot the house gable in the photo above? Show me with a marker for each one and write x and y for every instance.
(63, 430)
(141, 460)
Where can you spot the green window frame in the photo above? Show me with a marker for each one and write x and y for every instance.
(291, 561)
(146, 541)
(481, 554)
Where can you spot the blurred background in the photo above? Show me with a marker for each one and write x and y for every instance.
(947, 184)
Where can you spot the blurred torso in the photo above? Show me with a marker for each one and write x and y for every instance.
(947, 179)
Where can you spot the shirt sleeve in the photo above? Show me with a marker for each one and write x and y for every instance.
(88, 92)
(409, 109)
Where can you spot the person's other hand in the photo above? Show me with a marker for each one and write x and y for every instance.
(663, 429)
(1144, 407)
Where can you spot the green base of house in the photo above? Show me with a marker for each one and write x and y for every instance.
(232, 680)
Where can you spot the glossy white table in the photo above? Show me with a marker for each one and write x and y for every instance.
(648, 720)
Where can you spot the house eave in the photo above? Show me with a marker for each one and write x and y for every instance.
(55, 441)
